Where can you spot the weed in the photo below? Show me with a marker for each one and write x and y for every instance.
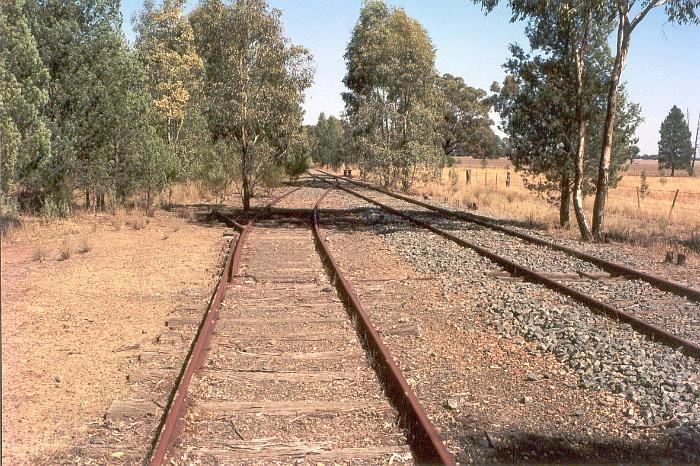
(119, 219)
(39, 253)
(85, 246)
(137, 221)
(65, 252)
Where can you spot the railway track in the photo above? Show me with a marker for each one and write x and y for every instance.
(673, 319)
(601, 266)
(497, 397)
(279, 372)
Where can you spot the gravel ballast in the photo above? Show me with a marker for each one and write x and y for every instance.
(663, 383)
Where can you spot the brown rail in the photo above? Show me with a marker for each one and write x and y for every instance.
(652, 331)
(171, 422)
(425, 442)
(608, 266)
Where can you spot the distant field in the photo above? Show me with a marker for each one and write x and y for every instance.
(647, 219)
(651, 167)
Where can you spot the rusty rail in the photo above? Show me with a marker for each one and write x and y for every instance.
(423, 438)
(171, 422)
(608, 266)
(652, 331)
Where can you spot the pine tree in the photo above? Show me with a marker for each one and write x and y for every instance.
(25, 146)
(675, 146)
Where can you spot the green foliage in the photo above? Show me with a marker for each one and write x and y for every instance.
(25, 148)
(466, 128)
(211, 168)
(165, 46)
(328, 141)
(254, 83)
(538, 102)
(298, 158)
(675, 146)
(643, 185)
(394, 105)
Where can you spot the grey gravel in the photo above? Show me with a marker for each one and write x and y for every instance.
(607, 355)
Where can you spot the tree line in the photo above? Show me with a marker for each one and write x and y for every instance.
(212, 97)
(569, 122)
(217, 95)
(401, 117)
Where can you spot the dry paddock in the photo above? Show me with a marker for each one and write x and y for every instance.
(73, 328)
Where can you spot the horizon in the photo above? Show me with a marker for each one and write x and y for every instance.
(474, 46)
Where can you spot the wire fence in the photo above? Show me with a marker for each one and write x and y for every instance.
(652, 202)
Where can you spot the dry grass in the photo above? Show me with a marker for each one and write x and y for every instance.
(648, 221)
(137, 220)
(644, 220)
(119, 219)
(85, 245)
(39, 253)
(65, 251)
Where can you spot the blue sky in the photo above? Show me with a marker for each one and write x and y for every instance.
(663, 67)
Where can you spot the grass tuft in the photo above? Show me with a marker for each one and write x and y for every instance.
(40, 252)
(66, 250)
(119, 219)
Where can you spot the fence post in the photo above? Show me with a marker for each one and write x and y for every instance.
(673, 204)
(496, 183)
(485, 177)
(639, 206)
(469, 176)
(507, 179)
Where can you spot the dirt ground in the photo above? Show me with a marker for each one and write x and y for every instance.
(70, 327)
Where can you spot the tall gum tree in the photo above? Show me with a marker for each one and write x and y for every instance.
(629, 14)
(393, 105)
(254, 83)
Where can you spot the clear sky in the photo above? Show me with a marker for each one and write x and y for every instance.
(663, 67)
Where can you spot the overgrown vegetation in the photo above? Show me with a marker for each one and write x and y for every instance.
(82, 111)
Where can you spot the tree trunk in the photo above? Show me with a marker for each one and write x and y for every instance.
(577, 191)
(87, 198)
(580, 156)
(245, 177)
(623, 37)
(673, 170)
(564, 200)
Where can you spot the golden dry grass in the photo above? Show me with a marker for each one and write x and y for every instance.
(646, 219)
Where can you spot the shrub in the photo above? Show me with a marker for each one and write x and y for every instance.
(85, 246)
(137, 221)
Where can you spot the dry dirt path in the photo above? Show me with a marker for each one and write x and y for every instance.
(72, 330)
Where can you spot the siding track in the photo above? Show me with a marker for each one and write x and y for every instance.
(657, 314)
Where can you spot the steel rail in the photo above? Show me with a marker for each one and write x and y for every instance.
(652, 331)
(608, 266)
(423, 438)
(171, 421)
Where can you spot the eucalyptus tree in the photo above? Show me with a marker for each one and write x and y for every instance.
(328, 141)
(393, 104)
(466, 126)
(254, 83)
(675, 146)
(629, 14)
(25, 146)
(552, 104)
(165, 45)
